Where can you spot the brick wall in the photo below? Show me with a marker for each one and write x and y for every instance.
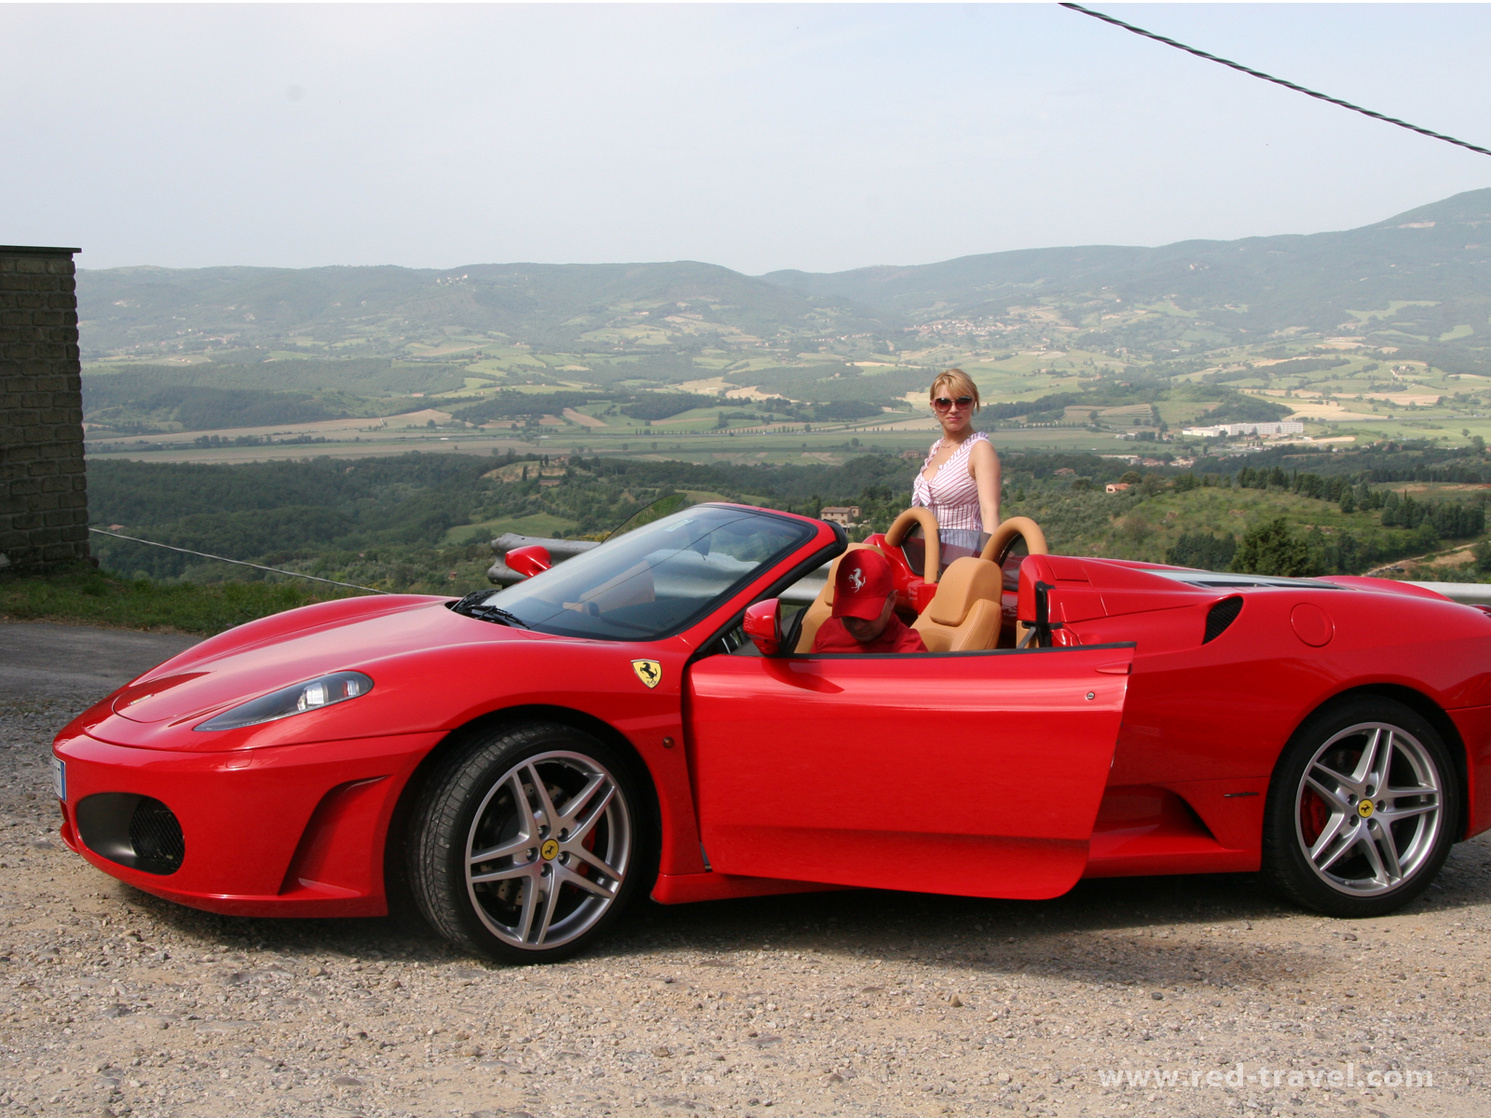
(43, 490)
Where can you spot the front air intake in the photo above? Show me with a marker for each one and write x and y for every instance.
(1220, 616)
(132, 830)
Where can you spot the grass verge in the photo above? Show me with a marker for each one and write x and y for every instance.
(94, 597)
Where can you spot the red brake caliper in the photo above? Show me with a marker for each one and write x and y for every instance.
(1313, 816)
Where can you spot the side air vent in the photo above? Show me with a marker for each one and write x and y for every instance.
(1221, 615)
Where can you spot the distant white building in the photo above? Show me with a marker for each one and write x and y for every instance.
(840, 514)
(1284, 427)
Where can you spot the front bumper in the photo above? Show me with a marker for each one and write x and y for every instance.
(295, 830)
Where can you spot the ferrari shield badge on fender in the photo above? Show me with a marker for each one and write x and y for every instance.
(649, 672)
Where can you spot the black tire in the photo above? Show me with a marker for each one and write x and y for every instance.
(529, 843)
(1361, 810)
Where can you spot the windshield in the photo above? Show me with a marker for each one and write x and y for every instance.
(651, 582)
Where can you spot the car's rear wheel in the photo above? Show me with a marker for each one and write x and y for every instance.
(528, 844)
(1361, 810)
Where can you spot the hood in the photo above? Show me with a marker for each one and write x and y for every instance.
(294, 647)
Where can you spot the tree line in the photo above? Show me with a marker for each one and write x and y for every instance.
(372, 515)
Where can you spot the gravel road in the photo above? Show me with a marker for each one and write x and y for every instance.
(851, 1003)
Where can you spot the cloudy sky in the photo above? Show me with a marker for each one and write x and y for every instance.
(759, 137)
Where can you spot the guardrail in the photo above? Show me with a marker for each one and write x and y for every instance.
(1471, 593)
(559, 550)
(806, 589)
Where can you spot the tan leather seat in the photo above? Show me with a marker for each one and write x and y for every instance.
(965, 614)
(822, 606)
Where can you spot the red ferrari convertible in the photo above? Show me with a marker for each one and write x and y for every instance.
(646, 717)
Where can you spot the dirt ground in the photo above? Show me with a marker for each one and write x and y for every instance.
(1189, 996)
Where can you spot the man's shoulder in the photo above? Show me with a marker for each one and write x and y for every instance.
(897, 637)
(833, 637)
(902, 637)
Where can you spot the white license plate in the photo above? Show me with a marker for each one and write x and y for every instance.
(59, 777)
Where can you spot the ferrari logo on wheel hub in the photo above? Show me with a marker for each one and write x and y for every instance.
(1365, 809)
(549, 850)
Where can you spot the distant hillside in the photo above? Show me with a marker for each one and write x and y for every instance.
(366, 311)
(1439, 252)
(1366, 334)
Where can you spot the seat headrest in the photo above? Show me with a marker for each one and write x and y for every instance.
(964, 582)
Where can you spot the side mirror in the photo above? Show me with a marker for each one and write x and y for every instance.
(763, 624)
(529, 561)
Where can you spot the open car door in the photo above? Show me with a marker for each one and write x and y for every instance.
(975, 773)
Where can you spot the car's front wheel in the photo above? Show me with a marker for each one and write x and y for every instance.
(527, 844)
(1361, 810)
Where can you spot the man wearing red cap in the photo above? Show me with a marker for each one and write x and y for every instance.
(864, 610)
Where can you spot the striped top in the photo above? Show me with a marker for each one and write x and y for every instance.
(952, 494)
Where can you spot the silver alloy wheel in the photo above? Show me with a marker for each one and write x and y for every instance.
(1369, 808)
(548, 850)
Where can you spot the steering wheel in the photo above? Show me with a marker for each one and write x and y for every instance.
(1003, 538)
(900, 527)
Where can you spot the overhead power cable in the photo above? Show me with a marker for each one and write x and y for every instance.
(238, 562)
(1277, 81)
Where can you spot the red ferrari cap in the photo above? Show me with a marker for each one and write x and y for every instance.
(862, 584)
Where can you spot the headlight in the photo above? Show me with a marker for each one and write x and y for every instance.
(312, 695)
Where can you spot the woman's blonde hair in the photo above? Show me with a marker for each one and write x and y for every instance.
(954, 383)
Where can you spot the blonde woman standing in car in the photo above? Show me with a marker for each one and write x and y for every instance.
(959, 481)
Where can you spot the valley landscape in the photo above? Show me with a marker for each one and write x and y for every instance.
(268, 439)
(603, 387)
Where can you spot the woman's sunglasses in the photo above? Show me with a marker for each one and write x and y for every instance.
(942, 403)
